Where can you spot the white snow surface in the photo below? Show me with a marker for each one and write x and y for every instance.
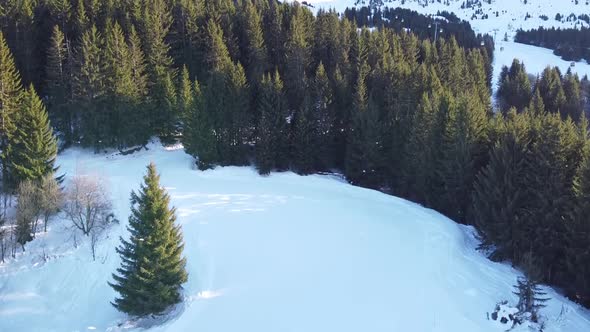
(276, 253)
(511, 17)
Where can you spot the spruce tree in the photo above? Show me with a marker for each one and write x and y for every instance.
(34, 147)
(578, 255)
(297, 57)
(155, 25)
(271, 144)
(59, 84)
(537, 106)
(500, 190)
(303, 140)
(10, 100)
(90, 87)
(422, 151)
(355, 147)
(186, 96)
(152, 269)
(322, 119)
(253, 47)
(464, 152)
(551, 90)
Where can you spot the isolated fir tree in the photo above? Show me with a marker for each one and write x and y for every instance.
(153, 269)
(33, 145)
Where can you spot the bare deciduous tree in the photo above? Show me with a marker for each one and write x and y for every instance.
(87, 205)
(28, 211)
(51, 198)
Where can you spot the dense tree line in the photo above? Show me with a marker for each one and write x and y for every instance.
(565, 94)
(270, 84)
(570, 44)
(444, 25)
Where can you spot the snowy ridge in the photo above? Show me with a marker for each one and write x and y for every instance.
(277, 253)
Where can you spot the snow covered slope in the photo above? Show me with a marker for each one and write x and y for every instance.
(511, 16)
(277, 253)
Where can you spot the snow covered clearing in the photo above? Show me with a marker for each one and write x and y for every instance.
(277, 253)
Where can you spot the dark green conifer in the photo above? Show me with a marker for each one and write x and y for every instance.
(33, 145)
(152, 269)
(10, 103)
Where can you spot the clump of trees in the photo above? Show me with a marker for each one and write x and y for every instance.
(569, 43)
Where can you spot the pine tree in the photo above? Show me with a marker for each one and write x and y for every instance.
(34, 148)
(422, 151)
(272, 144)
(551, 90)
(355, 145)
(59, 86)
(515, 87)
(550, 174)
(273, 33)
(186, 96)
(153, 269)
(578, 255)
(90, 87)
(186, 41)
(10, 99)
(253, 47)
(81, 21)
(464, 152)
(304, 149)
(236, 118)
(297, 57)
(537, 106)
(531, 298)
(322, 120)
(500, 190)
(155, 25)
(573, 106)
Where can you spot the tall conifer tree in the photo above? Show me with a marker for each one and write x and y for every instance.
(152, 269)
(33, 145)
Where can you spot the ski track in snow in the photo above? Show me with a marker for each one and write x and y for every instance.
(277, 253)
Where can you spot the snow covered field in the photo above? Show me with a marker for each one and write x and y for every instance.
(277, 253)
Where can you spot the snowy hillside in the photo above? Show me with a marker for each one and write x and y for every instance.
(501, 18)
(277, 253)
